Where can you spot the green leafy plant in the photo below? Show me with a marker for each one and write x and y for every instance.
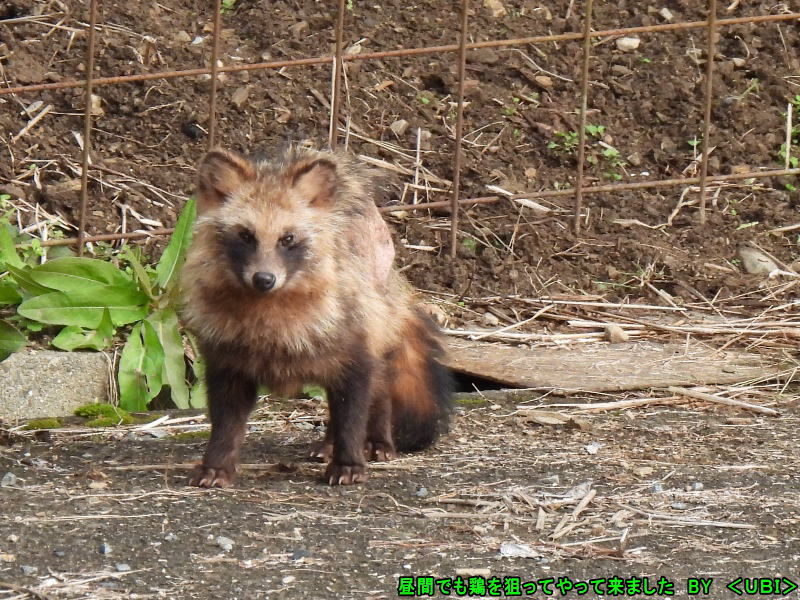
(566, 142)
(11, 339)
(597, 131)
(227, 6)
(91, 299)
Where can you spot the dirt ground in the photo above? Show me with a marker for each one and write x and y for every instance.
(679, 491)
(647, 104)
(673, 489)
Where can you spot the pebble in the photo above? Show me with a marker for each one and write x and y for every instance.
(399, 127)
(123, 567)
(696, 486)
(239, 97)
(679, 506)
(490, 319)
(28, 570)
(105, 548)
(13, 538)
(8, 480)
(615, 334)
(288, 579)
(183, 37)
(628, 44)
(755, 262)
(300, 554)
(225, 543)
(192, 130)
(666, 14)
(657, 487)
(422, 492)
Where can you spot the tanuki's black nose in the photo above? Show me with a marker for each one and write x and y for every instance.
(263, 281)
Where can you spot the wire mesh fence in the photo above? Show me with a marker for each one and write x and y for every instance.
(591, 32)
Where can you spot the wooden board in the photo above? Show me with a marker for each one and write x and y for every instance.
(606, 367)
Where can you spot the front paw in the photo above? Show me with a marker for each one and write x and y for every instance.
(337, 474)
(210, 477)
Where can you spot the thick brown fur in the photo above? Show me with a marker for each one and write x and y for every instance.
(336, 313)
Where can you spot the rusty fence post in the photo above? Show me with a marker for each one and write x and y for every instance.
(87, 124)
(459, 133)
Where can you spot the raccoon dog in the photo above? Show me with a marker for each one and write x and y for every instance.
(289, 280)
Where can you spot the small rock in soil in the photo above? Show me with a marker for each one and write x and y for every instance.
(615, 334)
(755, 262)
(485, 56)
(421, 492)
(170, 537)
(543, 81)
(105, 548)
(679, 506)
(300, 553)
(490, 319)
(8, 480)
(497, 8)
(225, 543)
(123, 567)
(239, 97)
(666, 14)
(657, 487)
(399, 127)
(192, 130)
(635, 159)
(738, 62)
(696, 486)
(59, 553)
(182, 37)
(628, 44)
(28, 570)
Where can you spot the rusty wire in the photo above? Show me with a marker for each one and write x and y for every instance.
(212, 97)
(405, 52)
(587, 52)
(459, 133)
(338, 69)
(711, 50)
(87, 125)
(339, 58)
(444, 204)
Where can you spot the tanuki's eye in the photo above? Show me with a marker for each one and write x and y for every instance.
(247, 236)
(287, 240)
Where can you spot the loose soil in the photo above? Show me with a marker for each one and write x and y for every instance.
(681, 491)
(648, 101)
(510, 480)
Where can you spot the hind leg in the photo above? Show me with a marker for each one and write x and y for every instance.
(323, 449)
(380, 445)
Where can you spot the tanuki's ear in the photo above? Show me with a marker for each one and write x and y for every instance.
(316, 181)
(219, 174)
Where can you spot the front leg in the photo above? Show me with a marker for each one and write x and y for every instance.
(348, 405)
(231, 397)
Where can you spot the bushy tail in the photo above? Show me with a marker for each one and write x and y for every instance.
(421, 388)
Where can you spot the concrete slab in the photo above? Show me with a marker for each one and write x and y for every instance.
(606, 367)
(43, 383)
